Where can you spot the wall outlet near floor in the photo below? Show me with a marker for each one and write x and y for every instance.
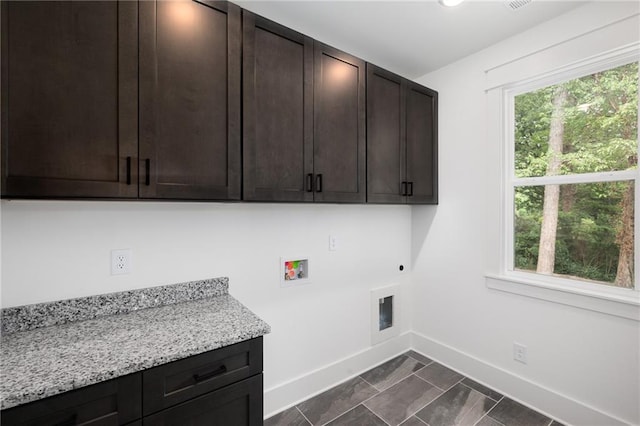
(121, 262)
(520, 352)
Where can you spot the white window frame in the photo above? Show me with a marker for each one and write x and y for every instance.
(603, 298)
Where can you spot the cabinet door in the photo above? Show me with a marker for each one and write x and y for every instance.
(422, 144)
(69, 99)
(339, 126)
(190, 100)
(239, 404)
(386, 137)
(111, 403)
(278, 111)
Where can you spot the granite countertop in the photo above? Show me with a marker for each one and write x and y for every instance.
(46, 361)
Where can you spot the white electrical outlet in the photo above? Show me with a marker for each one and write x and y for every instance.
(520, 352)
(121, 262)
(333, 243)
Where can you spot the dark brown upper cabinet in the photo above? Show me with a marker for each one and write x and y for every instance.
(401, 140)
(69, 99)
(277, 111)
(422, 144)
(303, 117)
(72, 125)
(190, 100)
(200, 100)
(339, 141)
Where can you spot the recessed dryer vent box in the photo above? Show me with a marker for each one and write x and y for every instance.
(385, 313)
(294, 270)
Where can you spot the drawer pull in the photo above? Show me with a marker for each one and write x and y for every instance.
(201, 377)
(71, 420)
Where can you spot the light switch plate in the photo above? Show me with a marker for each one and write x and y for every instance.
(333, 243)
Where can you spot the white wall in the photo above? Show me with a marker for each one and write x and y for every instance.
(57, 250)
(578, 355)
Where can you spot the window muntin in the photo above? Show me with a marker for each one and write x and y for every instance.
(600, 124)
(577, 139)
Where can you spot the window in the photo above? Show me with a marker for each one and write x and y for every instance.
(572, 178)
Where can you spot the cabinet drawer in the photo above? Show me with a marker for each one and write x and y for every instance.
(178, 381)
(111, 403)
(239, 404)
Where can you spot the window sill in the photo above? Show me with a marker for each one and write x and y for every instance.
(621, 303)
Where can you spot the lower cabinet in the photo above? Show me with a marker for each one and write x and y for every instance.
(115, 402)
(237, 404)
(219, 387)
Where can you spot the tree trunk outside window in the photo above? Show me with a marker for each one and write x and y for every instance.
(547, 248)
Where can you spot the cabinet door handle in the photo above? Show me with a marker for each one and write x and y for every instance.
(71, 420)
(201, 377)
(410, 194)
(147, 168)
(310, 182)
(403, 189)
(128, 170)
(319, 182)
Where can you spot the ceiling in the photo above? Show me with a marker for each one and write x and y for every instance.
(410, 38)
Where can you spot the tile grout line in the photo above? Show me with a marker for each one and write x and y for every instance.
(443, 390)
(420, 361)
(420, 420)
(365, 380)
(423, 367)
(392, 384)
(463, 414)
(371, 397)
(425, 380)
(351, 409)
(412, 374)
(492, 408)
(361, 403)
(487, 415)
(305, 417)
(476, 390)
(344, 412)
(421, 408)
(479, 401)
(400, 379)
(425, 405)
(376, 414)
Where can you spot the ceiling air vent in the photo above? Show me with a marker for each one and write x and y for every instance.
(516, 4)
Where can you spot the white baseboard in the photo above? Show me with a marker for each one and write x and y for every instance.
(538, 397)
(292, 392)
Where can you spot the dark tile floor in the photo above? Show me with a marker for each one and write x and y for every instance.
(410, 390)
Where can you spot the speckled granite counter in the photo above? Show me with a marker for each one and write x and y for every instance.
(46, 361)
